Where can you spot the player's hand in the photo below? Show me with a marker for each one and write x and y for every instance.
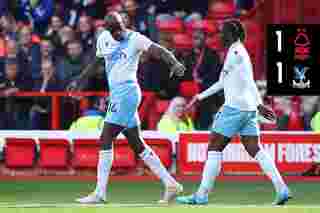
(194, 101)
(177, 69)
(267, 113)
(73, 86)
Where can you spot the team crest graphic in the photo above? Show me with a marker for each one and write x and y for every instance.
(302, 45)
(300, 77)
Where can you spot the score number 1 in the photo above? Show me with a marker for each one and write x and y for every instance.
(279, 48)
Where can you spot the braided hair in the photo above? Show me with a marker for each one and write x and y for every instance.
(237, 30)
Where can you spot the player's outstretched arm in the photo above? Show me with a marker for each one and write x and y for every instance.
(155, 50)
(89, 71)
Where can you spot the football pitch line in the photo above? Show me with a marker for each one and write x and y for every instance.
(149, 205)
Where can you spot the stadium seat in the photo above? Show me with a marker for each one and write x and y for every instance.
(188, 89)
(295, 121)
(85, 153)
(124, 157)
(162, 106)
(182, 41)
(20, 153)
(206, 25)
(173, 26)
(156, 111)
(214, 42)
(221, 10)
(163, 148)
(54, 153)
(148, 98)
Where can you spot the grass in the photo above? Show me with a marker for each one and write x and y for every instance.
(47, 197)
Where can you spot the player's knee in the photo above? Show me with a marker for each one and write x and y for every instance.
(218, 142)
(135, 141)
(251, 144)
(109, 133)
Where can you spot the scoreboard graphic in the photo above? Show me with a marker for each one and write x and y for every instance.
(293, 59)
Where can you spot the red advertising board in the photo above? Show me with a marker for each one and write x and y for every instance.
(292, 152)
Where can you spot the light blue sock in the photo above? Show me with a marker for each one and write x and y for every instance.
(210, 172)
(269, 168)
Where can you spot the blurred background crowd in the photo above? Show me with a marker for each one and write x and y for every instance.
(45, 44)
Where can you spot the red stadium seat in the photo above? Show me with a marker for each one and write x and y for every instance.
(221, 10)
(148, 98)
(162, 106)
(85, 153)
(174, 26)
(207, 26)
(188, 89)
(54, 153)
(163, 148)
(182, 41)
(295, 120)
(20, 153)
(124, 157)
(214, 42)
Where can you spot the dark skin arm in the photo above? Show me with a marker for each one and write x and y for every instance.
(165, 55)
(89, 71)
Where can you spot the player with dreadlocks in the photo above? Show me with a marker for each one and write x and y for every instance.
(238, 115)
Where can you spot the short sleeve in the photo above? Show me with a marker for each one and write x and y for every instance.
(142, 42)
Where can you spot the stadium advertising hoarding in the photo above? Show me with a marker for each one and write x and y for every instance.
(293, 152)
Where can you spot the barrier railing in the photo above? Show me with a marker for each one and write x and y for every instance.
(148, 98)
(55, 101)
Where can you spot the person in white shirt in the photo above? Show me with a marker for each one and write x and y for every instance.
(238, 115)
(121, 49)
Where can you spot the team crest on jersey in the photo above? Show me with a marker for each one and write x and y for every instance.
(118, 55)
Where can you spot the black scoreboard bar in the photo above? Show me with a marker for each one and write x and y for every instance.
(293, 59)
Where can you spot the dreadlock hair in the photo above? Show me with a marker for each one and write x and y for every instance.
(237, 30)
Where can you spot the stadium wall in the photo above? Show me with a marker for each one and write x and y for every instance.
(67, 155)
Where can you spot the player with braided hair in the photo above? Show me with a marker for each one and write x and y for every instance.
(238, 115)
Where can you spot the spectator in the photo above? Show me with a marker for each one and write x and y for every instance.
(28, 53)
(14, 108)
(86, 33)
(53, 32)
(137, 17)
(92, 119)
(175, 119)
(206, 70)
(8, 26)
(39, 113)
(47, 50)
(72, 64)
(154, 74)
(37, 12)
(243, 6)
(66, 34)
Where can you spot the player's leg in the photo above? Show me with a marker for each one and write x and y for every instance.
(250, 139)
(153, 162)
(109, 133)
(226, 124)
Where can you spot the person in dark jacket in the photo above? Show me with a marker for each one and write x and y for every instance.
(206, 71)
(14, 108)
(41, 107)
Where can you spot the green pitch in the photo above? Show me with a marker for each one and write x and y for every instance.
(58, 197)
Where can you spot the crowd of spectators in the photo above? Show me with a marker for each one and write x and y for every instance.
(45, 44)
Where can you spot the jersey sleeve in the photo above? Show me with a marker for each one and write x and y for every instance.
(142, 42)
